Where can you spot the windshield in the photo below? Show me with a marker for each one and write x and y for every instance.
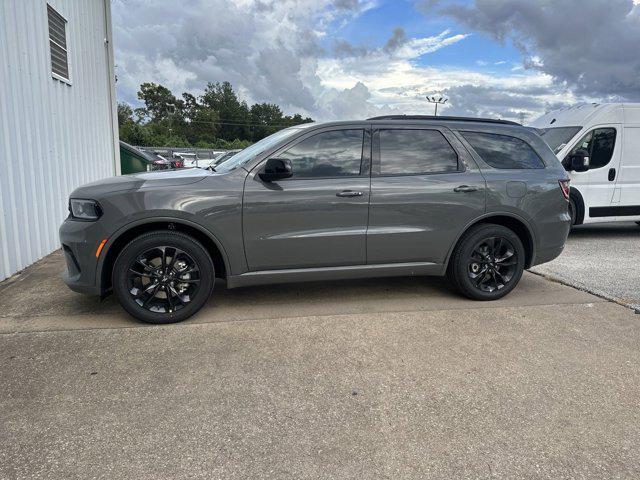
(223, 158)
(557, 138)
(248, 153)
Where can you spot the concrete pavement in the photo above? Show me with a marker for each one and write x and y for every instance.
(603, 259)
(395, 378)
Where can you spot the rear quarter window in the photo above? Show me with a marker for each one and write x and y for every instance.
(504, 151)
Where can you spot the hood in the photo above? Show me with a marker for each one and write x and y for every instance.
(136, 181)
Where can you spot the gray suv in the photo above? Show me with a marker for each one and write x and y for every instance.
(475, 200)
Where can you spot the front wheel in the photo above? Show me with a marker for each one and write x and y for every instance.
(487, 263)
(163, 277)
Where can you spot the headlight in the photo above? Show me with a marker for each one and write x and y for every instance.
(84, 209)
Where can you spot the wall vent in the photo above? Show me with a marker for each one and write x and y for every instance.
(58, 44)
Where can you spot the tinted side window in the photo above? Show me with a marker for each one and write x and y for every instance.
(415, 152)
(330, 154)
(599, 143)
(503, 151)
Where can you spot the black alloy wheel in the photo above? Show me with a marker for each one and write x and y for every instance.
(492, 264)
(487, 263)
(163, 277)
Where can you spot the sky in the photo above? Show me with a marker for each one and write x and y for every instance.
(353, 59)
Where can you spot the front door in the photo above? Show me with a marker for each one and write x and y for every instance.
(318, 217)
(422, 195)
(603, 147)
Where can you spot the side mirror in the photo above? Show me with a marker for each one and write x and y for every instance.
(579, 161)
(276, 169)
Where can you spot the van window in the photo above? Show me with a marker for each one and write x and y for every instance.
(558, 137)
(415, 152)
(336, 153)
(503, 151)
(599, 144)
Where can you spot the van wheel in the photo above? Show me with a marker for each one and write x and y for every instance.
(163, 277)
(487, 263)
(573, 211)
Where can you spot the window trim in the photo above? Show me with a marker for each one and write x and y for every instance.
(365, 155)
(56, 76)
(477, 155)
(377, 158)
(593, 129)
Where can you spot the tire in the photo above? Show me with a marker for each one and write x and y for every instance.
(163, 277)
(473, 262)
(573, 211)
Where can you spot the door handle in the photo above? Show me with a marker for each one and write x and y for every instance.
(612, 174)
(349, 193)
(465, 189)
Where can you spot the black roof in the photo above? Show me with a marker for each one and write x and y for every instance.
(444, 118)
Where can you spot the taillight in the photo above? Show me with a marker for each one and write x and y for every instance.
(565, 185)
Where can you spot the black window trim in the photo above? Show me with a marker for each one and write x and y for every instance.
(593, 129)
(477, 155)
(376, 157)
(365, 156)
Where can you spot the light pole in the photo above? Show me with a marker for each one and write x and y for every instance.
(437, 100)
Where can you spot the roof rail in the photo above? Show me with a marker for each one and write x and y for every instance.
(449, 119)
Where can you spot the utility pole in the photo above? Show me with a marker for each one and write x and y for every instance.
(437, 100)
(522, 116)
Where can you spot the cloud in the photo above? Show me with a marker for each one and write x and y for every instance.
(515, 102)
(266, 48)
(270, 50)
(289, 52)
(590, 45)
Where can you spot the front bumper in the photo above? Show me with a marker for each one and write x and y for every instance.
(79, 243)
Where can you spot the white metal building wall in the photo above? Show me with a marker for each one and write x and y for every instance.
(54, 136)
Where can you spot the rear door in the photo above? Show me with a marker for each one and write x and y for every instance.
(424, 189)
(318, 217)
(627, 195)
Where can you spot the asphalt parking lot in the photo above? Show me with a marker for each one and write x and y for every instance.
(391, 378)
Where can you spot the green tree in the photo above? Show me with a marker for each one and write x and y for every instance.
(265, 119)
(159, 103)
(217, 119)
(233, 114)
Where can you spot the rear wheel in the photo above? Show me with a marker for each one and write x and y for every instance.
(487, 263)
(163, 277)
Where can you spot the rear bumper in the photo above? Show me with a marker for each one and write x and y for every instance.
(553, 233)
(547, 254)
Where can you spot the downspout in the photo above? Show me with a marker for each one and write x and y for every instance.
(108, 41)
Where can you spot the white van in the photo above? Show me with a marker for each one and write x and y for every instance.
(599, 144)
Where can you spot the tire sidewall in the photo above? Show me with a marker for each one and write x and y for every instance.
(155, 239)
(573, 211)
(466, 246)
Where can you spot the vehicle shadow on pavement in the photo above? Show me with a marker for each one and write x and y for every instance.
(37, 299)
(605, 230)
